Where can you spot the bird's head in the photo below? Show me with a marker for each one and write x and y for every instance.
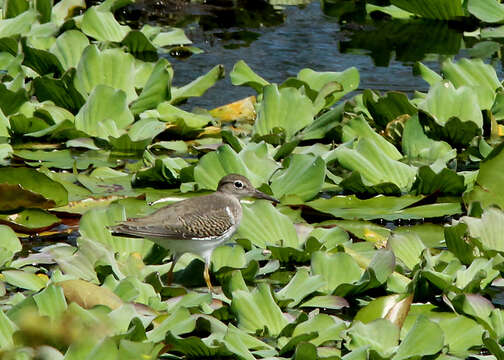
(240, 186)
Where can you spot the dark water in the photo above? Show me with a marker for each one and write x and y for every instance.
(328, 37)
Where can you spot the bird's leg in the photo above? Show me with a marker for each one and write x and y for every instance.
(169, 275)
(206, 275)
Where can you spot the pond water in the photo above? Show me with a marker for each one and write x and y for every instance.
(278, 43)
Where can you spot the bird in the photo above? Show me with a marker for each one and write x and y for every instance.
(196, 225)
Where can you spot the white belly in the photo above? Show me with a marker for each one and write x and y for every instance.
(200, 247)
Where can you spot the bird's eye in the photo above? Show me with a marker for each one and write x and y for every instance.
(238, 184)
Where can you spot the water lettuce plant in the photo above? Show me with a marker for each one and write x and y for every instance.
(387, 242)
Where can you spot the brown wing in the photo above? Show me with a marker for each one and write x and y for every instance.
(188, 219)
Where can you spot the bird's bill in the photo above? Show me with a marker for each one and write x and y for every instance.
(260, 195)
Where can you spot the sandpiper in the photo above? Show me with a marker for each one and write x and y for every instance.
(197, 225)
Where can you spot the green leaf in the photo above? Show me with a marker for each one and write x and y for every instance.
(488, 230)
(476, 306)
(167, 38)
(391, 10)
(12, 8)
(364, 230)
(407, 248)
(23, 280)
(418, 147)
(156, 90)
(300, 286)
(24, 187)
(432, 9)
(329, 328)
(350, 207)
(60, 91)
(359, 128)
(69, 47)
(386, 108)
(186, 122)
(327, 302)
(105, 113)
(391, 307)
(179, 322)
(481, 78)
(326, 124)
(457, 132)
(105, 350)
(257, 311)
(93, 225)
(264, 225)
(7, 329)
(335, 269)
(304, 176)
(10, 244)
(427, 74)
(425, 338)
(198, 86)
(148, 129)
(488, 187)
(20, 24)
(44, 7)
(51, 302)
(382, 207)
(461, 334)
(41, 61)
(375, 167)
(111, 67)
(445, 182)
(443, 102)
(349, 80)
(456, 242)
(286, 109)
(477, 276)
(31, 220)
(137, 43)
(380, 335)
(254, 162)
(239, 342)
(102, 25)
(10, 101)
(243, 75)
(228, 256)
(490, 11)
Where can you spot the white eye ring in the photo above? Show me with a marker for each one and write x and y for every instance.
(238, 184)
